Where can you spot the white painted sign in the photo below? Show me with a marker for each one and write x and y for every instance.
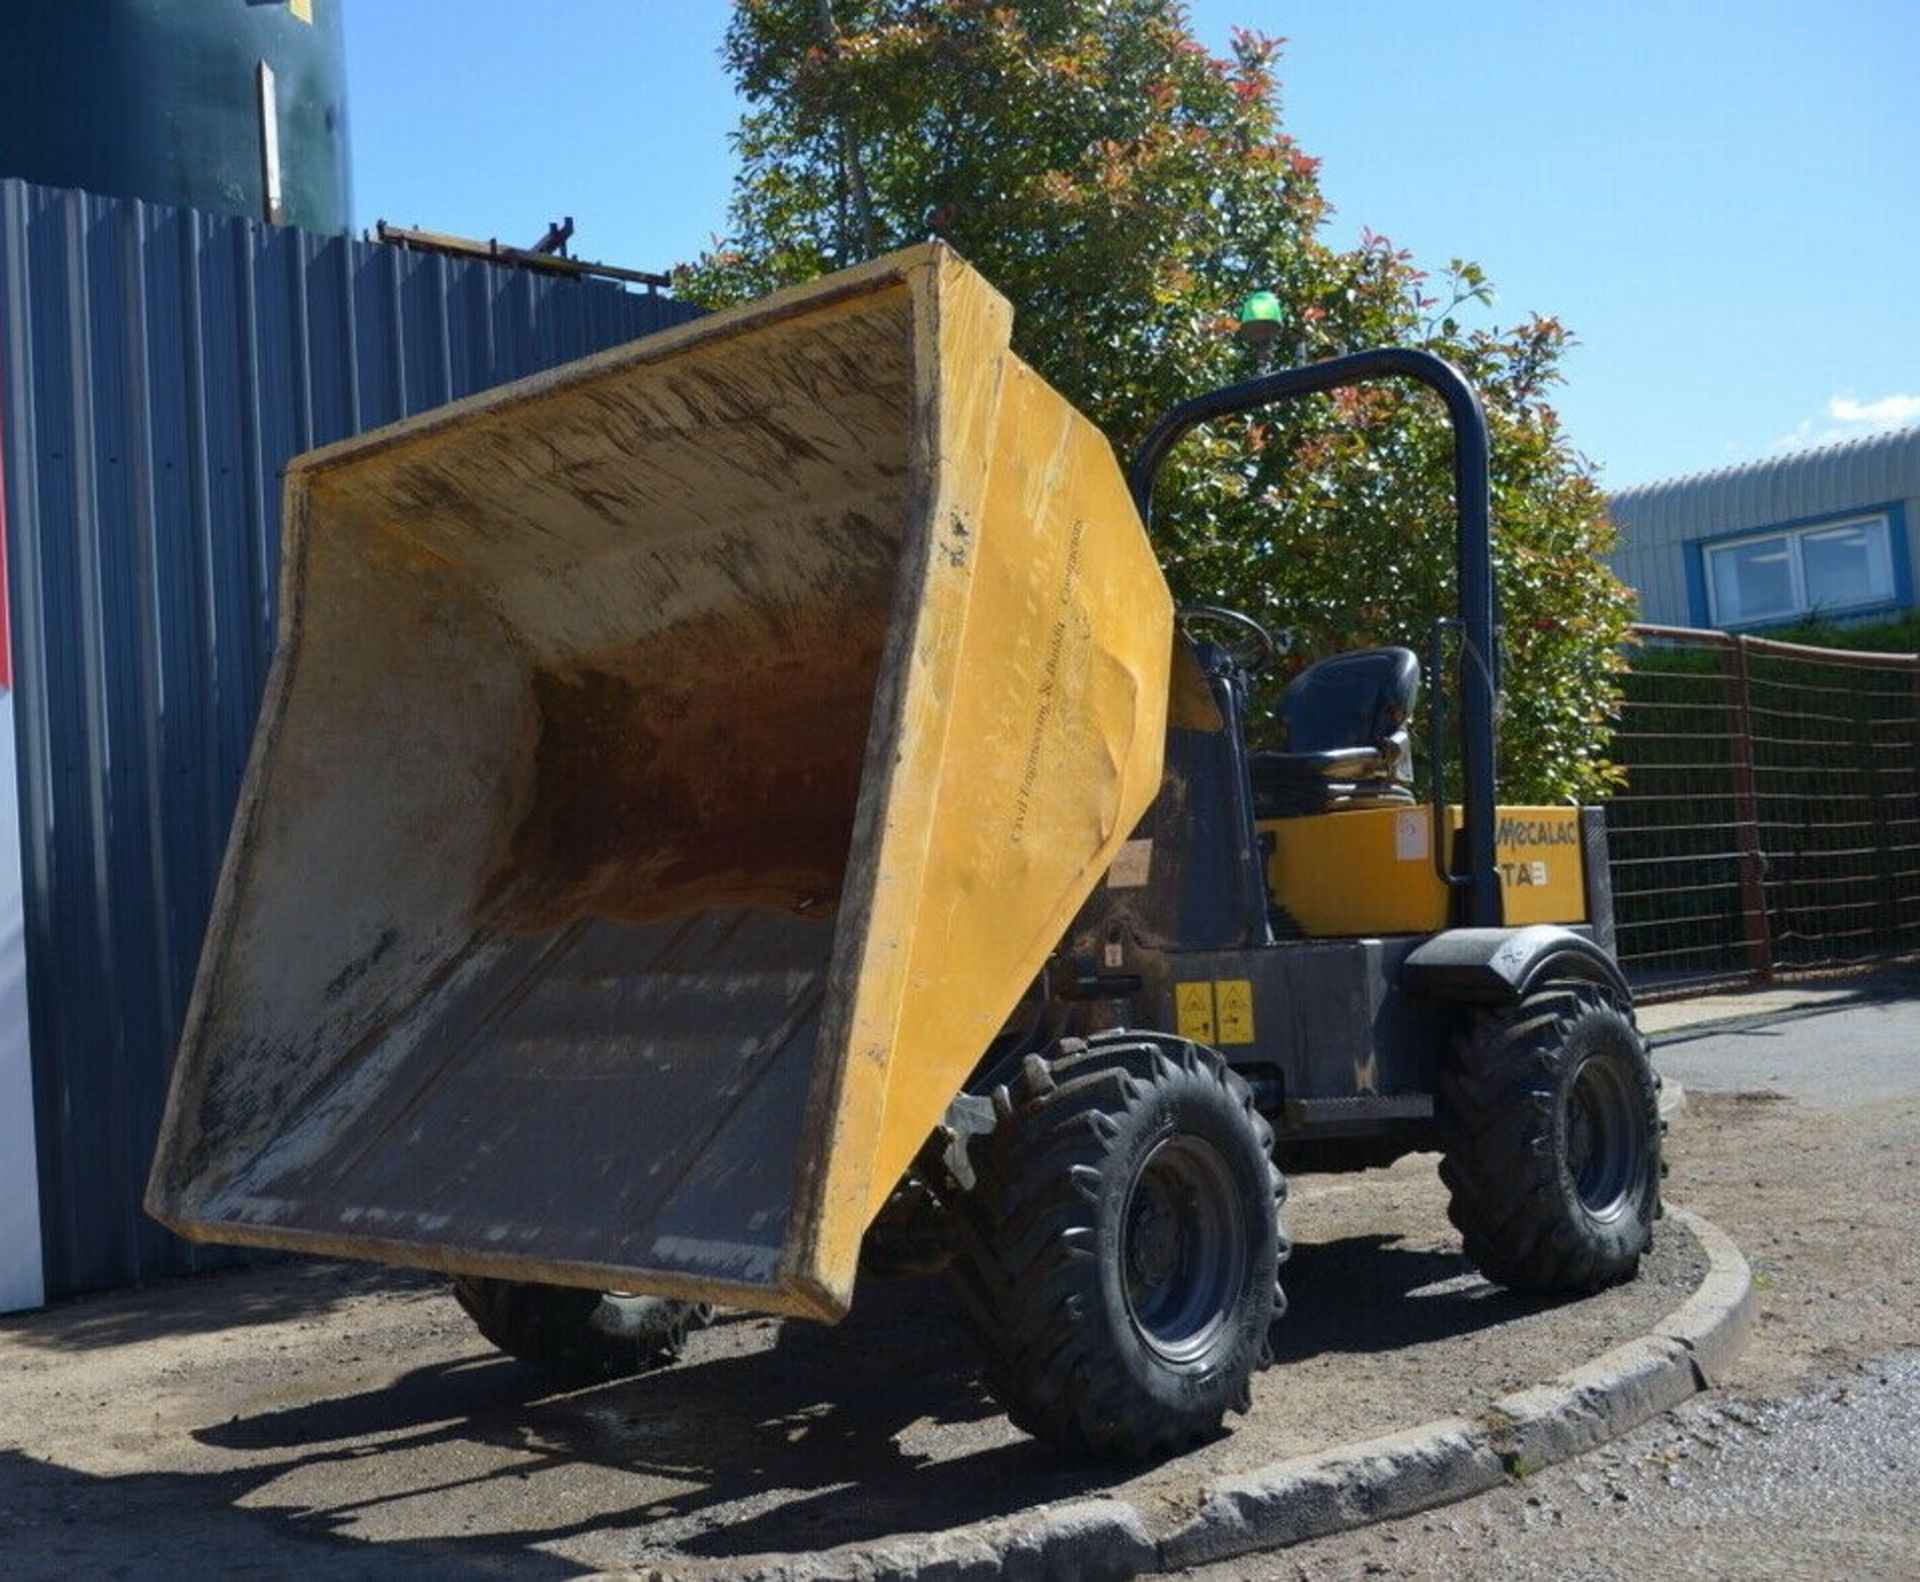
(21, 1274)
(1410, 843)
(1131, 865)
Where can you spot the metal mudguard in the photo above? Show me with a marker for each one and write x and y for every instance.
(1489, 965)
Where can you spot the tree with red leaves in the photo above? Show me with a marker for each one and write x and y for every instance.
(1126, 188)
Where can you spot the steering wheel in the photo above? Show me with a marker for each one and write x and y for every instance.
(1241, 638)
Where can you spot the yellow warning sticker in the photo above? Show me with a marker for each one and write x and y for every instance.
(1193, 1011)
(1234, 999)
(1216, 1013)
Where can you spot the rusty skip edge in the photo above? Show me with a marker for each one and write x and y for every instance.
(837, 1146)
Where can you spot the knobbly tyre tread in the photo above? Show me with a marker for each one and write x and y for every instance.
(1501, 1115)
(1029, 1277)
(578, 1336)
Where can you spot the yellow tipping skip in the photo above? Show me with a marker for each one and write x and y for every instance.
(673, 771)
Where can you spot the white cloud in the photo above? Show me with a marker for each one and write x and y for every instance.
(1848, 417)
(1888, 412)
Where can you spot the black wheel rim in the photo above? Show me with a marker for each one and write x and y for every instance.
(1183, 1248)
(1603, 1137)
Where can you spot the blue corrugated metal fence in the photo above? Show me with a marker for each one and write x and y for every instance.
(159, 367)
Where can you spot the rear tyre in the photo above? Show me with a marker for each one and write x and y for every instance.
(579, 1337)
(1119, 1251)
(1552, 1123)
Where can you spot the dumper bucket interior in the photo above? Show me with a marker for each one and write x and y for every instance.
(673, 770)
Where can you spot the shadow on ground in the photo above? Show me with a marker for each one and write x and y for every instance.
(811, 1440)
(56, 1523)
(771, 1437)
(1378, 1293)
(1872, 986)
(281, 1287)
(816, 1418)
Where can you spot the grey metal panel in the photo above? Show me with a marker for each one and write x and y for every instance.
(1823, 482)
(1655, 575)
(158, 367)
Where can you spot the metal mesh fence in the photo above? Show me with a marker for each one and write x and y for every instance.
(1771, 818)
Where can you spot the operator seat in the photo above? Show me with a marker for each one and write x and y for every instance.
(1348, 720)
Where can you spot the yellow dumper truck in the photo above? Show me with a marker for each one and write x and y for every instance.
(743, 808)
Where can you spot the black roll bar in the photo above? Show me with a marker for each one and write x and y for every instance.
(1473, 562)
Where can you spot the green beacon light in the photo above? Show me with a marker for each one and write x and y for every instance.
(1260, 319)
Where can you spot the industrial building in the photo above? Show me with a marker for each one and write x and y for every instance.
(1816, 534)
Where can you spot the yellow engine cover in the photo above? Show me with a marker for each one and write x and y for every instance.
(1370, 870)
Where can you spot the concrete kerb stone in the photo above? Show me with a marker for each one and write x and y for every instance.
(1548, 1423)
(1099, 1540)
(1689, 1350)
(1311, 1496)
(1519, 1434)
(1715, 1322)
(1437, 1463)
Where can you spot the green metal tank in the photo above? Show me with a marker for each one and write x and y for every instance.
(230, 106)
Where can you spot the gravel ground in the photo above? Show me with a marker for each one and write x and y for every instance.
(1820, 1485)
(348, 1420)
(1800, 1139)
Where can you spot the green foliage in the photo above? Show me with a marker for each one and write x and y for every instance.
(1126, 190)
(1812, 771)
(1895, 634)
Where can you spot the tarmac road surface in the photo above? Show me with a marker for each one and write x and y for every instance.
(1801, 1139)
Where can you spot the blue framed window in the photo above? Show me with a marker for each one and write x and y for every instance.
(1826, 568)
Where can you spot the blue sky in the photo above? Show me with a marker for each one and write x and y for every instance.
(1720, 199)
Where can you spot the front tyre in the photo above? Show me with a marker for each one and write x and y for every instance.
(1121, 1246)
(1552, 1123)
